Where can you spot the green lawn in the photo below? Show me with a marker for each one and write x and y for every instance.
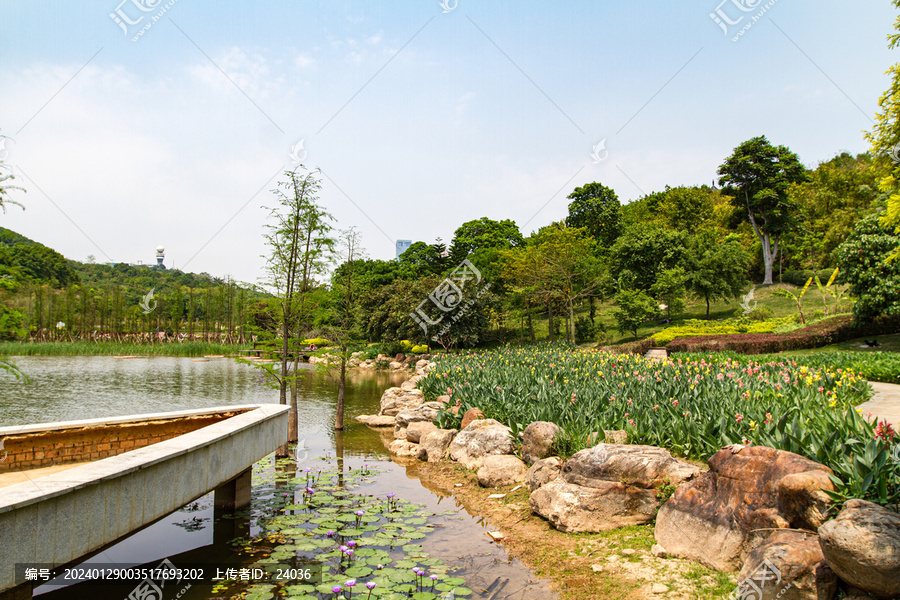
(694, 309)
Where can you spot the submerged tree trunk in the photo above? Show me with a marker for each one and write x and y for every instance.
(339, 413)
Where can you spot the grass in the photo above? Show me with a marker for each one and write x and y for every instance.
(889, 343)
(116, 349)
(694, 309)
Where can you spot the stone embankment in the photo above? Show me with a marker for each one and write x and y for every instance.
(757, 511)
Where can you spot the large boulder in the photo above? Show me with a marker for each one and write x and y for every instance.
(578, 509)
(713, 519)
(538, 441)
(421, 365)
(434, 444)
(802, 498)
(410, 384)
(425, 413)
(415, 431)
(376, 420)
(403, 449)
(543, 472)
(862, 545)
(500, 470)
(481, 438)
(471, 415)
(394, 400)
(789, 565)
(609, 486)
(640, 466)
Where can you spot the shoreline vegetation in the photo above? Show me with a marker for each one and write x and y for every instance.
(81, 348)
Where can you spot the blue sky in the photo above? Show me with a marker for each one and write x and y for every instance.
(420, 119)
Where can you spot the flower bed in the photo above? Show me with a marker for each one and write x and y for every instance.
(691, 407)
(697, 327)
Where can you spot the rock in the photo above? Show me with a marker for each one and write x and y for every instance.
(538, 441)
(658, 588)
(710, 519)
(543, 472)
(394, 400)
(578, 509)
(442, 399)
(597, 568)
(357, 354)
(854, 593)
(395, 365)
(403, 449)
(420, 366)
(802, 501)
(376, 420)
(425, 412)
(862, 545)
(616, 436)
(658, 551)
(415, 431)
(788, 566)
(501, 470)
(353, 362)
(629, 552)
(408, 385)
(496, 536)
(473, 414)
(640, 466)
(481, 438)
(434, 444)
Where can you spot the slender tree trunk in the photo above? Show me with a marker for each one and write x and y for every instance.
(550, 321)
(571, 322)
(530, 322)
(707, 308)
(339, 413)
(593, 309)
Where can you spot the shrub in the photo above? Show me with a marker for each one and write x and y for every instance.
(761, 313)
(695, 327)
(319, 342)
(823, 333)
(584, 330)
(420, 349)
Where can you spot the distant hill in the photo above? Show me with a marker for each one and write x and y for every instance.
(8, 237)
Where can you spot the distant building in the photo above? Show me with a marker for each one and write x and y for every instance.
(402, 246)
(160, 256)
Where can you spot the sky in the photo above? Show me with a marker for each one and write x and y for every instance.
(169, 122)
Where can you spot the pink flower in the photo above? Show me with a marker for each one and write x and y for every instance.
(884, 431)
(738, 418)
(674, 402)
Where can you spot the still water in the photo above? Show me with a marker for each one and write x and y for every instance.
(71, 388)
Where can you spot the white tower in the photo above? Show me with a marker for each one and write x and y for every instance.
(160, 255)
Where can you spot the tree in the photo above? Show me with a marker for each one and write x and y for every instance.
(633, 309)
(596, 208)
(424, 259)
(560, 264)
(482, 234)
(6, 178)
(757, 177)
(719, 268)
(669, 289)
(344, 305)
(645, 251)
(299, 243)
(866, 264)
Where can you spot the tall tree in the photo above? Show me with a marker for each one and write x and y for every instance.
(867, 264)
(596, 208)
(299, 243)
(757, 177)
(484, 234)
(345, 295)
(719, 267)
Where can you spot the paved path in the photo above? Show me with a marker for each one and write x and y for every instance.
(885, 404)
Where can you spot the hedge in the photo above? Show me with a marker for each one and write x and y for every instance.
(823, 333)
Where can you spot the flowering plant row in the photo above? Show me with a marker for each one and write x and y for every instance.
(692, 407)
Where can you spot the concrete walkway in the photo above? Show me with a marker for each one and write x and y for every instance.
(885, 404)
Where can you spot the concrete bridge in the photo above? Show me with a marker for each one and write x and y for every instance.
(69, 489)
